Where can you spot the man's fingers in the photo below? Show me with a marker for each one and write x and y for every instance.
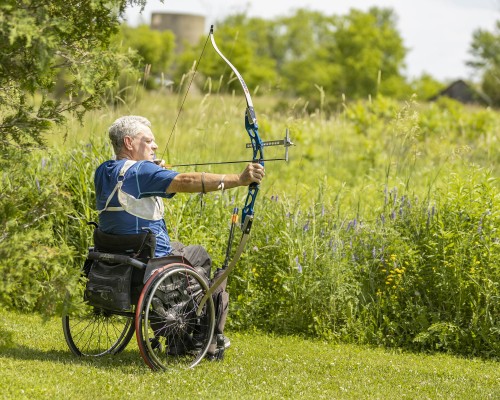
(256, 172)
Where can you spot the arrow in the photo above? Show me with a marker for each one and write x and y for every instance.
(286, 142)
(221, 162)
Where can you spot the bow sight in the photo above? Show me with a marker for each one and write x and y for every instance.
(286, 142)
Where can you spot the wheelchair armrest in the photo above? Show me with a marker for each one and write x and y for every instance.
(116, 258)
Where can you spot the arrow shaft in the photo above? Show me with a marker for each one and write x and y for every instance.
(224, 162)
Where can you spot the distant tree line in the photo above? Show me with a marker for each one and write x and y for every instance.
(312, 55)
(61, 57)
(357, 55)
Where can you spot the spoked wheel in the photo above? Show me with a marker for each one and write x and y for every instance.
(171, 331)
(94, 332)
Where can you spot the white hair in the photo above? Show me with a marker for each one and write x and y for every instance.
(129, 125)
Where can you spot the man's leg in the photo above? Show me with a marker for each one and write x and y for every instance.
(221, 302)
(196, 255)
(201, 261)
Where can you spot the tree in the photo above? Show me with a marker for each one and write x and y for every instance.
(234, 40)
(154, 47)
(485, 50)
(359, 54)
(44, 39)
(370, 52)
(425, 86)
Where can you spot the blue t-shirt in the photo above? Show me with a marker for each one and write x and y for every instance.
(143, 179)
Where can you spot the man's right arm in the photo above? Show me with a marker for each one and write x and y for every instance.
(194, 182)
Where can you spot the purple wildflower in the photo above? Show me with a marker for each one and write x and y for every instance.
(348, 226)
(334, 249)
(299, 267)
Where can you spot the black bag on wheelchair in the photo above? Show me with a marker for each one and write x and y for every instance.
(109, 286)
(112, 286)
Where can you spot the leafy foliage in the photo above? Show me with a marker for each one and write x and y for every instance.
(154, 47)
(485, 50)
(42, 40)
(387, 234)
(359, 55)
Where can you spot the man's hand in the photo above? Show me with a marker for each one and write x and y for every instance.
(253, 172)
(160, 162)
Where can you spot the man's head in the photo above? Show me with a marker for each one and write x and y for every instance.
(132, 138)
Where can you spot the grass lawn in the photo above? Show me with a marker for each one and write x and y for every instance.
(36, 364)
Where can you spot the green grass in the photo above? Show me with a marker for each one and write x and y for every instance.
(36, 364)
(385, 231)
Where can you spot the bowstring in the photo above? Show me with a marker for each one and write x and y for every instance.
(185, 96)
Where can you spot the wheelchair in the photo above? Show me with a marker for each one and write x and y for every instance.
(164, 301)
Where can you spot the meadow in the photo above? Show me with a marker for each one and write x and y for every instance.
(381, 230)
(36, 364)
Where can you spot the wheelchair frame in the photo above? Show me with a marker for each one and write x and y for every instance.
(173, 319)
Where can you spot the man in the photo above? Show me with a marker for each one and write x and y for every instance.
(129, 191)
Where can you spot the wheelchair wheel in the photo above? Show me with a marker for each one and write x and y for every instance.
(91, 331)
(170, 332)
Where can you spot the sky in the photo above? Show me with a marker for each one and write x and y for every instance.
(437, 33)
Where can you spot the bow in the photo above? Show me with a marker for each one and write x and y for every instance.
(248, 212)
(252, 129)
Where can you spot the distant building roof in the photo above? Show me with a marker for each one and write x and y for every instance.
(463, 92)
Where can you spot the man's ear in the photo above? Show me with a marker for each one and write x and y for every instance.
(127, 141)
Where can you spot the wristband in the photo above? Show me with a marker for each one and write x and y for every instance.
(221, 183)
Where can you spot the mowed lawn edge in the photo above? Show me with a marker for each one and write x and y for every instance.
(37, 364)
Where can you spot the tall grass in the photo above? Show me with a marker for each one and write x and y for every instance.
(381, 230)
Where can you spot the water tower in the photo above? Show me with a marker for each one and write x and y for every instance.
(186, 27)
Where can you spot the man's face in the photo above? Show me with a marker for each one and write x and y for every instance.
(143, 146)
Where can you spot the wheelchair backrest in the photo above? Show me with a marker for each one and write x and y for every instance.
(140, 245)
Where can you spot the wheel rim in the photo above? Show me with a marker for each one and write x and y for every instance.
(171, 333)
(94, 332)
